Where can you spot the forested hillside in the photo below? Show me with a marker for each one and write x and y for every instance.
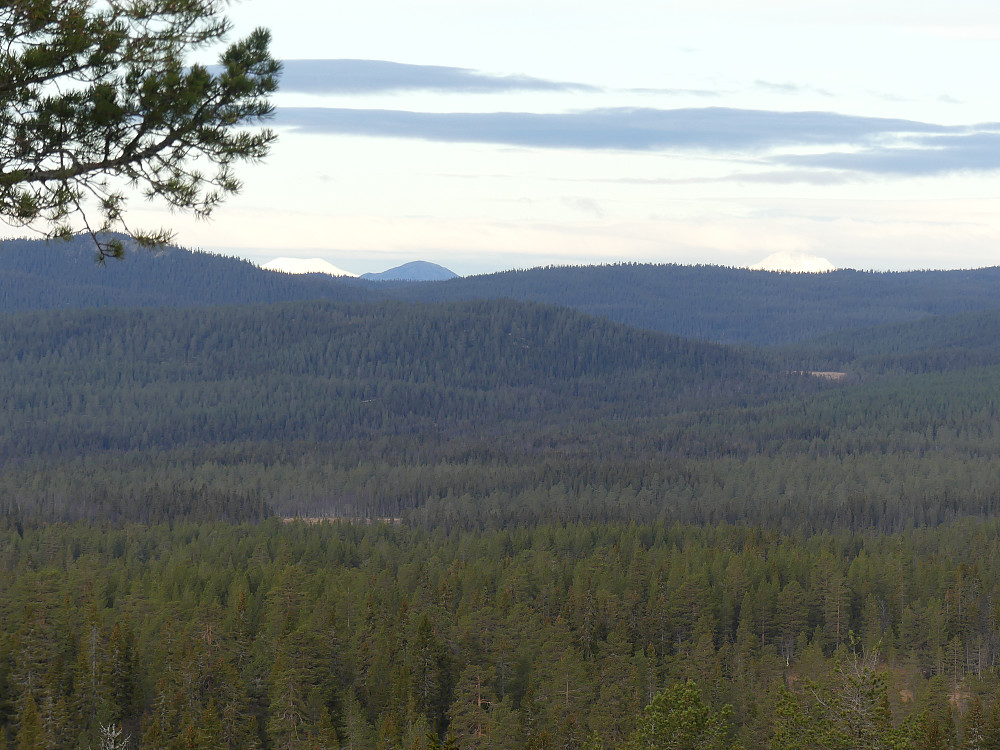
(712, 303)
(936, 344)
(173, 394)
(519, 524)
(734, 305)
(351, 636)
(132, 380)
(472, 415)
(58, 275)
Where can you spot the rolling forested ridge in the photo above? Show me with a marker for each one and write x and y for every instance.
(711, 303)
(543, 509)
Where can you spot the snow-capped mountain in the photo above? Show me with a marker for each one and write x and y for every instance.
(306, 265)
(795, 262)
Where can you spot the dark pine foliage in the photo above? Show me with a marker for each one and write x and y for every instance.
(726, 305)
(522, 523)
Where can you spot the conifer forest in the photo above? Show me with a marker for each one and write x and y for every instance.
(541, 510)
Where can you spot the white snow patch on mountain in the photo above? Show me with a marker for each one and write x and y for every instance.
(305, 265)
(795, 262)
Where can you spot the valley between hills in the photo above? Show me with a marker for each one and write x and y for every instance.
(535, 509)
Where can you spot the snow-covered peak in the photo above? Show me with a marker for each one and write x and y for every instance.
(795, 262)
(305, 265)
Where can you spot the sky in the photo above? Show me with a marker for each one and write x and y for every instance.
(485, 135)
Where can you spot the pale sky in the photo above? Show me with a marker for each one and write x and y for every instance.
(493, 134)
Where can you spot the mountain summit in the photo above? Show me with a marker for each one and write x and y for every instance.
(305, 265)
(794, 262)
(418, 270)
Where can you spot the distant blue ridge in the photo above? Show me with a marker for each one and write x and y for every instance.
(417, 270)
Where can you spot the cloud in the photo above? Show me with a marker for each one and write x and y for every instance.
(381, 76)
(674, 92)
(929, 155)
(712, 129)
(790, 177)
(790, 88)
(780, 177)
(586, 206)
(848, 146)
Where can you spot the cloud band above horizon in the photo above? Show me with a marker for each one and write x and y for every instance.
(348, 76)
(869, 145)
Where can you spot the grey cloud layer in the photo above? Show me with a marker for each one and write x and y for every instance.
(973, 152)
(381, 76)
(874, 143)
(634, 129)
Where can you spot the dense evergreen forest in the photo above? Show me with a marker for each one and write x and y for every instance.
(732, 305)
(943, 342)
(62, 275)
(710, 303)
(473, 415)
(338, 520)
(336, 635)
